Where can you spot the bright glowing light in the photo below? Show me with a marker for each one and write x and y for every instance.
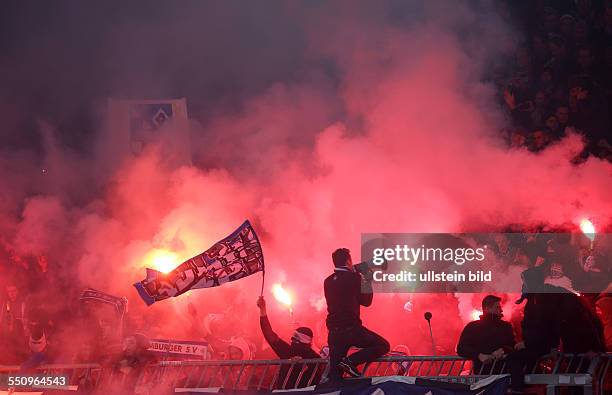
(587, 228)
(476, 315)
(161, 260)
(281, 295)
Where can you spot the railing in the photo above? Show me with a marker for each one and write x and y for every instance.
(554, 371)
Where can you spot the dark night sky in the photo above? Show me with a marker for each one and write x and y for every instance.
(58, 58)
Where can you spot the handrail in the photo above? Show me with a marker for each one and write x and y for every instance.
(552, 370)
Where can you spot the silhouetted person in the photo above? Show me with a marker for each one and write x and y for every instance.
(604, 305)
(541, 326)
(12, 329)
(344, 293)
(300, 347)
(488, 339)
(581, 329)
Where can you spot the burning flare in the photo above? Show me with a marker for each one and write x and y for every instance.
(587, 228)
(162, 260)
(281, 295)
(476, 315)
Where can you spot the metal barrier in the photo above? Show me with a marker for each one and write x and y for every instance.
(553, 371)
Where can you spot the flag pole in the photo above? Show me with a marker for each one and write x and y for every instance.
(263, 280)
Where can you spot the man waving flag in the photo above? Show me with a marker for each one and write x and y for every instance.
(237, 256)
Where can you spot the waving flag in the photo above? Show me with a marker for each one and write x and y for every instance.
(237, 256)
(91, 295)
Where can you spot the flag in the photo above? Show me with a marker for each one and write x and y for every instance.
(91, 295)
(237, 256)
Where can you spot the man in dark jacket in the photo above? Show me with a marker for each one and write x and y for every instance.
(300, 347)
(487, 339)
(345, 291)
(541, 324)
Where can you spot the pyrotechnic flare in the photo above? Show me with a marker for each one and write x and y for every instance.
(236, 256)
(587, 227)
(476, 315)
(162, 260)
(282, 296)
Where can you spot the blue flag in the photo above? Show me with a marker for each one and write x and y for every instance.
(237, 256)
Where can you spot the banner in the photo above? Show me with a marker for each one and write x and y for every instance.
(179, 348)
(91, 295)
(237, 256)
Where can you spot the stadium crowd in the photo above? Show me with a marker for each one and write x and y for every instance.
(561, 74)
(36, 319)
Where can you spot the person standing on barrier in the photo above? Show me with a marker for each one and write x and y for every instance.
(345, 291)
(541, 325)
(300, 347)
(488, 339)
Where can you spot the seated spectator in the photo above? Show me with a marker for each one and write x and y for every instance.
(540, 110)
(562, 114)
(566, 27)
(585, 61)
(552, 127)
(558, 56)
(581, 33)
(605, 33)
(300, 347)
(585, 11)
(588, 110)
(550, 22)
(488, 339)
(538, 140)
(518, 139)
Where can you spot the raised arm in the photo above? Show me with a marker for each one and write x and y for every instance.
(280, 347)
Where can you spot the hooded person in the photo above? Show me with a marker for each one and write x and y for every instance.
(300, 347)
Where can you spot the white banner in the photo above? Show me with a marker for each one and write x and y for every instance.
(187, 349)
